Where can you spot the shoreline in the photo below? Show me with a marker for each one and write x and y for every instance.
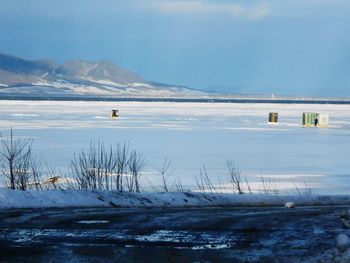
(180, 99)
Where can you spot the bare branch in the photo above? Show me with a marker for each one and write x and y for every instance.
(165, 174)
(16, 159)
(235, 176)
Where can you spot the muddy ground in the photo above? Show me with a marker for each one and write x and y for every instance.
(168, 235)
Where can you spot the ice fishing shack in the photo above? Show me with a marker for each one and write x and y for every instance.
(315, 119)
(114, 114)
(273, 117)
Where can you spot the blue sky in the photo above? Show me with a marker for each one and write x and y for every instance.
(291, 47)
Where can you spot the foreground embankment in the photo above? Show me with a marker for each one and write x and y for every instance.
(92, 198)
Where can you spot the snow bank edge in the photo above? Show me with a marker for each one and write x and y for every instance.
(16, 199)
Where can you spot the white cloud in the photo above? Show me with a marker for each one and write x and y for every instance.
(258, 12)
(200, 7)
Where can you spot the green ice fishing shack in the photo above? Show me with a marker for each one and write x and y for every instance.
(315, 119)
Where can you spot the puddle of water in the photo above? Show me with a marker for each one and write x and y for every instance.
(93, 221)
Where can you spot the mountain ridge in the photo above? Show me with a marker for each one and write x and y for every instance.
(78, 77)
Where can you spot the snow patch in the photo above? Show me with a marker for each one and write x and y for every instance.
(25, 115)
(289, 205)
(137, 84)
(101, 117)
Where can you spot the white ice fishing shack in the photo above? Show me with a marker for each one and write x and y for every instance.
(323, 120)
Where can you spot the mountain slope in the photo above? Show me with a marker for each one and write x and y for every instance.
(14, 70)
(78, 78)
(27, 67)
(96, 71)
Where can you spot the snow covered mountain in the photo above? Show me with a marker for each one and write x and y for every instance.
(21, 77)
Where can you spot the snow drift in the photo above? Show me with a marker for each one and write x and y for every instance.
(11, 199)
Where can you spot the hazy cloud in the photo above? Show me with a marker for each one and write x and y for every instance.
(256, 12)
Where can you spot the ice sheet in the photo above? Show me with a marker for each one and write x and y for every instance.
(192, 134)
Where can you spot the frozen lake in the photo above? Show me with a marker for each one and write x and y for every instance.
(193, 134)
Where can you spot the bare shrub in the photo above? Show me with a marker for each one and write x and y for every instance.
(122, 161)
(178, 185)
(18, 166)
(36, 170)
(235, 177)
(204, 183)
(136, 164)
(248, 186)
(221, 183)
(104, 168)
(165, 174)
(305, 190)
(93, 169)
(269, 186)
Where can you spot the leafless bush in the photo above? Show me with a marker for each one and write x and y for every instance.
(136, 164)
(104, 168)
(269, 186)
(18, 168)
(165, 174)
(248, 186)
(235, 177)
(122, 161)
(306, 189)
(204, 183)
(36, 170)
(178, 185)
(220, 184)
(94, 169)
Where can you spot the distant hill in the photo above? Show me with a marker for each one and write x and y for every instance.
(19, 76)
(104, 70)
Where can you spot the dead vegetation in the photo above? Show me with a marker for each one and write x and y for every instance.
(117, 167)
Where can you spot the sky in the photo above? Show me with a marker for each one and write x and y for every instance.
(286, 47)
